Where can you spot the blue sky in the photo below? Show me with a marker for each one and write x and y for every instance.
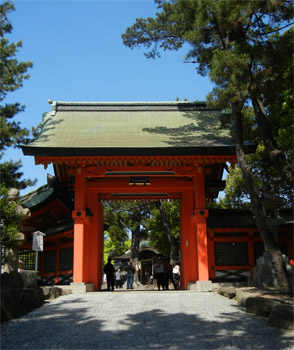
(78, 55)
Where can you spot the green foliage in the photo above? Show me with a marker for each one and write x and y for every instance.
(267, 177)
(246, 49)
(125, 218)
(11, 175)
(278, 90)
(236, 196)
(128, 217)
(10, 222)
(117, 233)
(111, 249)
(239, 44)
(157, 233)
(12, 75)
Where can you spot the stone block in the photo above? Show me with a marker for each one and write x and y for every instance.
(29, 278)
(259, 306)
(5, 279)
(41, 298)
(90, 287)
(241, 297)
(46, 292)
(201, 286)
(55, 292)
(265, 280)
(8, 306)
(52, 292)
(15, 280)
(26, 303)
(38, 297)
(17, 301)
(81, 288)
(264, 259)
(263, 275)
(16, 294)
(66, 291)
(229, 292)
(282, 316)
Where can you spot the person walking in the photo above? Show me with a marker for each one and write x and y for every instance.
(109, 271)
(159, 274)
(176, 275)
(169, 275)
(130, 275)
(118, 279)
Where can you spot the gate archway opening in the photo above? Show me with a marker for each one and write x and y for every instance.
(133, 225)
(186, 184)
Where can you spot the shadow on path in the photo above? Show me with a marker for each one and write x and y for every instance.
(73, 324)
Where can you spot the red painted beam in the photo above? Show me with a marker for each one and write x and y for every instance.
(121, 185)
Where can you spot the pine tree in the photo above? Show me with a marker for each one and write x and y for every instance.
(12, 75)
(235, 42)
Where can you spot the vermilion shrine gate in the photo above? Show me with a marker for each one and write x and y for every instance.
(137, 150)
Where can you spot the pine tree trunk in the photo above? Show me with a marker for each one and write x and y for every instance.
(171, 240)
(135, 242)
(135, 252)
(261, 222)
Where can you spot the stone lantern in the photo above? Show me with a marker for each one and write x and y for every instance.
(11, 252)
(270, 206)
(263, 275)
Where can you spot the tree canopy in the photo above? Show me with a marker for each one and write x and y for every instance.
(10, 223)
(131, 222)
(164, 229)
(239, 44)
(116, 239)
(12, 75)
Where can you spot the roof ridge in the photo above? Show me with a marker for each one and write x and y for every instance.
(125, 102)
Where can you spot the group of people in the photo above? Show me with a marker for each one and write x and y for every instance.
(165, 274)
(110, 272)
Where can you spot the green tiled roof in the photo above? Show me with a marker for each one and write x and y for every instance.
(36, 197)
(112, 128)
(59, 227)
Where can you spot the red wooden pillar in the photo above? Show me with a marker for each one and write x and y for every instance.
(100, 218)
(79, 215)
(211, 254)
(188, 240)
(93, 252)
(88, 234)
(200, 214)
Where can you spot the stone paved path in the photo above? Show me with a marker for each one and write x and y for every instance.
(175, 320)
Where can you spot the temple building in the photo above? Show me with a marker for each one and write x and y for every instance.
(110, 151)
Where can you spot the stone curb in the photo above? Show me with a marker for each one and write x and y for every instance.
(19, 295)
(279, 315)
(54, 292)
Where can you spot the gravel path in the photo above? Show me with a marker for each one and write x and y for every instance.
(133, 319)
